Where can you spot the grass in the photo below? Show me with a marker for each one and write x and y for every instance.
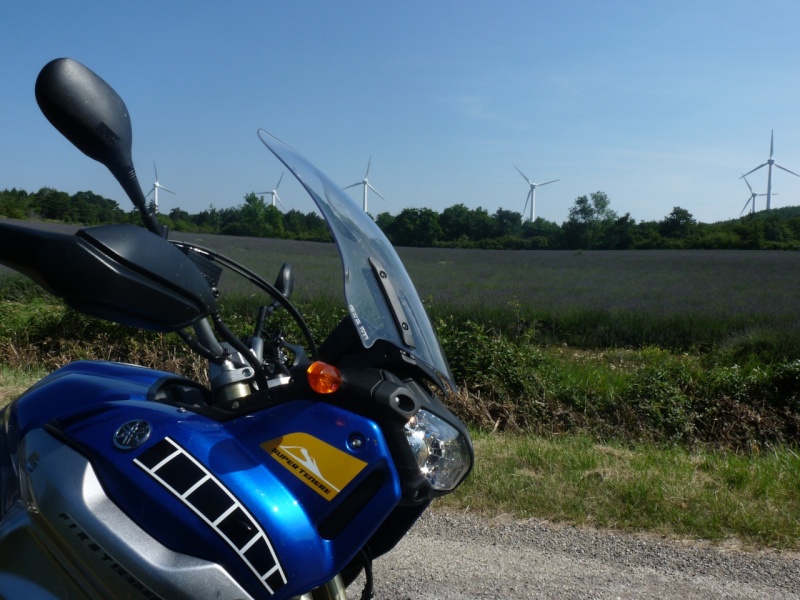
(15, 381)
(668, 490)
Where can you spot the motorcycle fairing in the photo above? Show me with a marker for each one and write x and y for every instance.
(64, 518)
(313, 538)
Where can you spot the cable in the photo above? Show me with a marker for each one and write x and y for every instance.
(258, 281)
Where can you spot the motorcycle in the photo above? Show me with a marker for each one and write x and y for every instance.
(284, 476)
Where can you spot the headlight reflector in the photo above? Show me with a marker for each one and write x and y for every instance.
(442, 452)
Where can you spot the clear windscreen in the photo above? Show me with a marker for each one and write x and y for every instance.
(381, 300)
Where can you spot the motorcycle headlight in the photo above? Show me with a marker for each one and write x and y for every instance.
(442, 453)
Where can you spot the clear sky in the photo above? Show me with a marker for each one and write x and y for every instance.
(658, 104)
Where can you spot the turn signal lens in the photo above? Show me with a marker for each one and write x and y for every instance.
(324, 378)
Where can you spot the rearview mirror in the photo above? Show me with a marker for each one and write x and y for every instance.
(91, 115)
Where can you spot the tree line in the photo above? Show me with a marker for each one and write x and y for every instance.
(591, 224)
(253, 217)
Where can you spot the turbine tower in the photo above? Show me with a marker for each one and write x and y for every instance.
(274, 192)
(367, 185)
(532, 192)
(154, 190)
(752, 199)
(769, 164)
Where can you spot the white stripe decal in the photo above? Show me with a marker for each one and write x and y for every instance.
(235, 511)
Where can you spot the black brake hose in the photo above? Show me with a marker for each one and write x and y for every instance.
(369, 591)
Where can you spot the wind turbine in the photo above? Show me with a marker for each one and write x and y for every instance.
(769, 164)
(154, 190)
(367, 185)
(274, 192)
(532, 192)
(751, 199)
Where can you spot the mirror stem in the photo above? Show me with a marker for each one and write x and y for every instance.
(129, 182)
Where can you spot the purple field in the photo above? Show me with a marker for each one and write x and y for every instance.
(701, 289)
(662, 282)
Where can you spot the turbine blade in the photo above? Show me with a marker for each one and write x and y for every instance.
(152, 189)
(745, 206)
(278, 198)
(771, 140)
(546, 182)
(785, 169)
(353, 185)
(525, 177)
(155, 170)
(368, 165)
(756, 169)
(166, 190)
(369, 185)
(527, 199)
(279, 180)
(747, 182)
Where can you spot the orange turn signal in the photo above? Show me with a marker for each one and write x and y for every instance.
(324, 378)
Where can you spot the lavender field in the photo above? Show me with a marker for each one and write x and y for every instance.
(673, 298)
(599, 298)
(661, 282)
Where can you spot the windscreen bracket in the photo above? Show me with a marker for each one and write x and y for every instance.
(393, 302)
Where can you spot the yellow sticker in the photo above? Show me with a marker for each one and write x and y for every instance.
(323, 468)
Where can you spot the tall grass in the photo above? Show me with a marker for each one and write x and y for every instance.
(670, 490)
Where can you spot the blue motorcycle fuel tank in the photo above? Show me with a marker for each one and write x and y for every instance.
(281, 499)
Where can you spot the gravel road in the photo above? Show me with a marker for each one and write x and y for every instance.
(451, 556)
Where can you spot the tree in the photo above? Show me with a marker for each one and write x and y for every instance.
(52, 204)
(620, 234)
(588, 217)
(416, 227)
(481, 225)
(15, 203)
(677, 224)
(455, 222)
(542, 233)
(646, 236)
(180, 220)
(507, 223)
(385, 221)
(273, 223)
(208, 220)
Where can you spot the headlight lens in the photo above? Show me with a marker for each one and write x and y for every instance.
(442, 452)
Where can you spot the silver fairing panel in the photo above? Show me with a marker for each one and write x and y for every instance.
(64, 538)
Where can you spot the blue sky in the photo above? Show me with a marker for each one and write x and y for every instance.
(658, 104)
